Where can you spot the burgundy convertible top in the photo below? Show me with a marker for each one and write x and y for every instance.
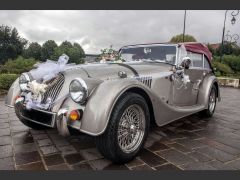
(198, 48)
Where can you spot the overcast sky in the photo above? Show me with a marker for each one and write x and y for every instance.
(95, 30)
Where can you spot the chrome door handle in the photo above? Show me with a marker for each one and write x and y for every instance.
(196, 84)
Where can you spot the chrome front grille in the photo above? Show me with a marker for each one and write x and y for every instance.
(54, 89)
(145, 80)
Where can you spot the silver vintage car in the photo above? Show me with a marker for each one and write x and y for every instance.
(115, 102)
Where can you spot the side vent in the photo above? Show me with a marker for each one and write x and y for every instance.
(145, 80)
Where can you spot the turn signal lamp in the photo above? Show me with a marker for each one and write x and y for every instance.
(74, 115)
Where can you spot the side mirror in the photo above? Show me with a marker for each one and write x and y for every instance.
(186, 62)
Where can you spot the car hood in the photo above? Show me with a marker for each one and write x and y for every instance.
(110, 70)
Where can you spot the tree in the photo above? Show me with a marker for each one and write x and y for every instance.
(48, 49)
(11, 44)
(179, 38)
(78, 46)
(75, 52)
(33, 51)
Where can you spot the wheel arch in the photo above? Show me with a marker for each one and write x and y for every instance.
(205, 89)
(100, 111)
(148, 100)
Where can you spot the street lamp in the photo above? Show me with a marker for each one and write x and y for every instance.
(184, 23)
(233, 21)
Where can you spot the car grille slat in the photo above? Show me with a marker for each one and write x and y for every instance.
(145, 80)
(54, 90)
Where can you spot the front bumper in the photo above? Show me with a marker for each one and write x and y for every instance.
(57, 120)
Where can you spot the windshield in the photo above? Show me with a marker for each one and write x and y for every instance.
(158, 53)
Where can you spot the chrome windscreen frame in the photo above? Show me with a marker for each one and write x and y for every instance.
(155, 44)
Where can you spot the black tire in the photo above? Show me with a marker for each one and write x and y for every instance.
(33, 125)
(107, 143)
(208, 112)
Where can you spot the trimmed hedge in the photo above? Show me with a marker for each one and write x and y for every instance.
(6, 80)
(17, 66)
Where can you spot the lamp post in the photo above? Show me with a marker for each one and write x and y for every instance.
(233, 21)
(184, 24)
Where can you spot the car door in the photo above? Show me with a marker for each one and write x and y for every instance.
(186, 94)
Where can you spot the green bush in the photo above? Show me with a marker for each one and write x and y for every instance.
(6, 80)
(222, 69)
(18, 65)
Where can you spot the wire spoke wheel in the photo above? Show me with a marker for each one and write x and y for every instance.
(212, 101)
(131, 128)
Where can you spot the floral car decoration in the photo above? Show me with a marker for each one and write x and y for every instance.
(116, 100)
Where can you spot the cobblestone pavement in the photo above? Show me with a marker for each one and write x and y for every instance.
(191, 143)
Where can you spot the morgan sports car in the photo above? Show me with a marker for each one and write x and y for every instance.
(116, 101)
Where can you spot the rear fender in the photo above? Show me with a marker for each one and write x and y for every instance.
(205, 89)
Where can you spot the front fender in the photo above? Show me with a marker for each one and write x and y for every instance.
(99, 106)
(13, 91)
(205, 88)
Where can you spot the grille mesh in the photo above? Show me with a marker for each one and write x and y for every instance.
(54, 90)
(145, 80)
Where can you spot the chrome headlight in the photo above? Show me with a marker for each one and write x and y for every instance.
(78, 90)
(23, 81)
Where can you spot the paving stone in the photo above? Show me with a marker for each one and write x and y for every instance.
(40, 136)
(73, 158)
(19, 128)
(190, 135)
(4, 125)
(5, 132)
(7, 163)
(104, 164)
(167, 167)
(67, 149)
(219, 165)
(27, 157)
(44, 142)
(157, 146)
(82, 166)
(59, 167)
(61, 142)
(189, 127)
(5, 140)
(144, 167)
(217, 154)
(135, 162)
(179, 147)
(197, 166)
(199, 156)
(33, 166)
(150, 158)
(55, 136)
(54, 159)
(48, 150)
(175, 157)
(235, 164)
(6, 151)
(221, 146)
(3, 116)
(4, 120)
(25, 148)
(91, 154)
(80, 145)
(191, 144)
(35, 132)
(22, 138)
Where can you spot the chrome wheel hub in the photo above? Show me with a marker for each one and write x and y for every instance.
(131, 128)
